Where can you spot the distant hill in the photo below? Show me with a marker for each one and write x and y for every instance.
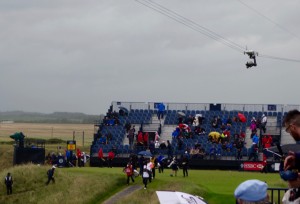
(56, 117)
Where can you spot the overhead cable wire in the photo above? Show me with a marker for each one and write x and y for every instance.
(196, 24)
(279, 58)
(201, 29)
(192, 25)
(269, 19)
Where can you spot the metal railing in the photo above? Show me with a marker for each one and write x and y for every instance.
(205, 106)
(277, 194)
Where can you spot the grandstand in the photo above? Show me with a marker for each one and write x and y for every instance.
(144, 117)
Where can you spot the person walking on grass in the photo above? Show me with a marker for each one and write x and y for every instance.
(129, 172)
(50, 174)
(184, 163)
(8, 182)
(174, 166)
(146, 176)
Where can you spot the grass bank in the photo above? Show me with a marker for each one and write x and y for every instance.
(94, 185)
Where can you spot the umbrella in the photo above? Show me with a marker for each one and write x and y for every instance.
(145, 154)
(161, 158)
(17, 136)
(285, 149)
(242, 117)
(166, 197)
(180, 113)
(123, 109)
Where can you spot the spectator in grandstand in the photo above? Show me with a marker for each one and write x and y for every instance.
(200, 118)
(180, 119)
(8, 183)
(213, 152)
(170, 149)
(214, 137)
(174, 166)
(157, 137)
(110, 158)
(128, 170)
(255, 139)
(152, 147)
(102, 140)
(127, 126)
(184, 164)
(267, 141)
(253, 125)
(216, 121)
(264, 121)
(176, 132)
(100, 157)
(140, 138)
(109, 137)
(196, 122)
(189, 120)
(242, 134)
(130, 137)
(146, 139)
(179, 144)
(156, 144)
(253, 152)
(252, 192)
(163, 145)
(161, 110)
(239, 145)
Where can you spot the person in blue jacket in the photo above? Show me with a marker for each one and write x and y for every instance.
(161, 110)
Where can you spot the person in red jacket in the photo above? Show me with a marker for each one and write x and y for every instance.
(128, 170)
(110, 157)
(78, 153)
(140, 139)
(100, 157)
(146, 137)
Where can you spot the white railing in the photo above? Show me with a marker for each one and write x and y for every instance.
(204, 106)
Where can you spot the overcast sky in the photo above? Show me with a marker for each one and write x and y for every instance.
(78, 56)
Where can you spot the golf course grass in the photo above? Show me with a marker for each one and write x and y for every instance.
(95, 185)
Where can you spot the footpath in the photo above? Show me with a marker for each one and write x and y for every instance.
(125, 192)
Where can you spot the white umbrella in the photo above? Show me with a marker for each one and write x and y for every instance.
(180, 113)
(175, 197)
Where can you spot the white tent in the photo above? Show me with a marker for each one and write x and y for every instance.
(175, 197)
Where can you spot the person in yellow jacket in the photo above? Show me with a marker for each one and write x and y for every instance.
(153, 160)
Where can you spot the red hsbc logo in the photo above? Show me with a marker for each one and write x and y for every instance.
(252, 166)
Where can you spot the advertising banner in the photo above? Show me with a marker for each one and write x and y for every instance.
(252, 166)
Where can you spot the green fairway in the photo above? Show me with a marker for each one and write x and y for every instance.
(95, 185)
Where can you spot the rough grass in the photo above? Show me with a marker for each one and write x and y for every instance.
(95, 185)
(76, 185)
